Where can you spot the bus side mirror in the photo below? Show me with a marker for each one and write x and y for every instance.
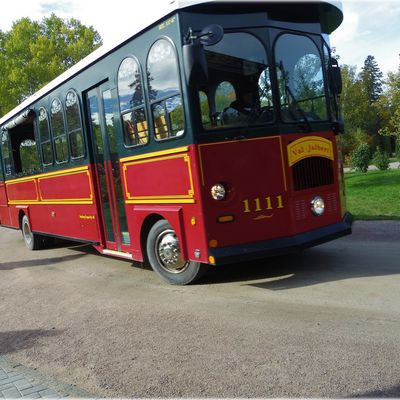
(336, 76)
(194, 56)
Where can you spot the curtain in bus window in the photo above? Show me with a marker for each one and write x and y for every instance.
(301, 79)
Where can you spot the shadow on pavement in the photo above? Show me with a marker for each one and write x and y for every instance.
(38, 262)
(314, 266)
(13, 341)
(365, 254)
(392, 392)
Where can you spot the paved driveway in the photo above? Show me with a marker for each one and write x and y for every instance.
(323, 323)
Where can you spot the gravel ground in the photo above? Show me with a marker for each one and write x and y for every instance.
(323, 323)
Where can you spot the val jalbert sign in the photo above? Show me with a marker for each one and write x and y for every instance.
(312, 146)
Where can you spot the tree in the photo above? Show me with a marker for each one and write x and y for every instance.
(389, 107)
(360, 103)
(355, 109)
(33, 53)
(372, 78)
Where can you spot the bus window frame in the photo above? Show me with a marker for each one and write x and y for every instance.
(162, 99)
(319, 46)
(60, 135)
(50, 140)
(10, 155)
(267, 46)
(68, 133)
(145, 103)
(333, 100)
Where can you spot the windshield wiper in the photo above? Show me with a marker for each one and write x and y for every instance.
(299, 109)
(294, 100)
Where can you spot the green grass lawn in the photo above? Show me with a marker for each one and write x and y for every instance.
(374, 195)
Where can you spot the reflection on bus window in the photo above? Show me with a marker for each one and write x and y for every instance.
(74, 125)
(300, 79)
(59, 135)
(29, 156)
(332, 102)
(131, 102)
(164, 91)
(264, 89)
(224, 95)
(45, 138)
(205, 109)
(6, 152)
(239, 82)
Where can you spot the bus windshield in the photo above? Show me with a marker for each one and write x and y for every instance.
(300, 79)
(238, 92)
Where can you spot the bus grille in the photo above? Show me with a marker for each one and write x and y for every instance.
(312, 172)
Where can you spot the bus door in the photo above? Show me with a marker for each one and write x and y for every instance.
(101, 106)
(5, 218)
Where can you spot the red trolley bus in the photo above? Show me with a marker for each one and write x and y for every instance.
(208, 137)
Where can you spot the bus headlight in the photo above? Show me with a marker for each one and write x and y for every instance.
(317, 206)
(218, 192)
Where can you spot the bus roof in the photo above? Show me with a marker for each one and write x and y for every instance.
(333, 18)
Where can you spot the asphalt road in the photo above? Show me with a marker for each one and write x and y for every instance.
(323, 323)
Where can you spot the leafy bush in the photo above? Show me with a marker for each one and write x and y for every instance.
(360, 157)
(380, 159)
(351, 139)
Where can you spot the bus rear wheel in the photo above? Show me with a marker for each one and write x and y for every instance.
(32, 240)
(165, 256)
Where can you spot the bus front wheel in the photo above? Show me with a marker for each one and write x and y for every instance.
(165, 256)
(32, 240)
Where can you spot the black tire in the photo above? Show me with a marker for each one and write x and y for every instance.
(163, 252)
(32, 240)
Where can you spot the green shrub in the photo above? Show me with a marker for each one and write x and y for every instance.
(360, 157)
(380, 159)
(398, 148)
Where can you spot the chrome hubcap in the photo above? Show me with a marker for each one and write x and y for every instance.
(27, 233)
(168, 252)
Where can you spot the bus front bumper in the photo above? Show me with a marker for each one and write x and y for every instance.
(252, 251)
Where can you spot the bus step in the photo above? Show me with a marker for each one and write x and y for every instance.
(115, 253)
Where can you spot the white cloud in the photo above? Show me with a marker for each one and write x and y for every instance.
(369, 28)
(25, 8)
(112, 22)
(348, 29)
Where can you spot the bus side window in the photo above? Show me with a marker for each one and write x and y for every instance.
(131, 103)
(19, 150)
(59, 134)
(45, 137)
(6, 153)
(164, 90)
(74, 125)
(29, 156)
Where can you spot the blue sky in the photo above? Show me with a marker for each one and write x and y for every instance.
(369, 27)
